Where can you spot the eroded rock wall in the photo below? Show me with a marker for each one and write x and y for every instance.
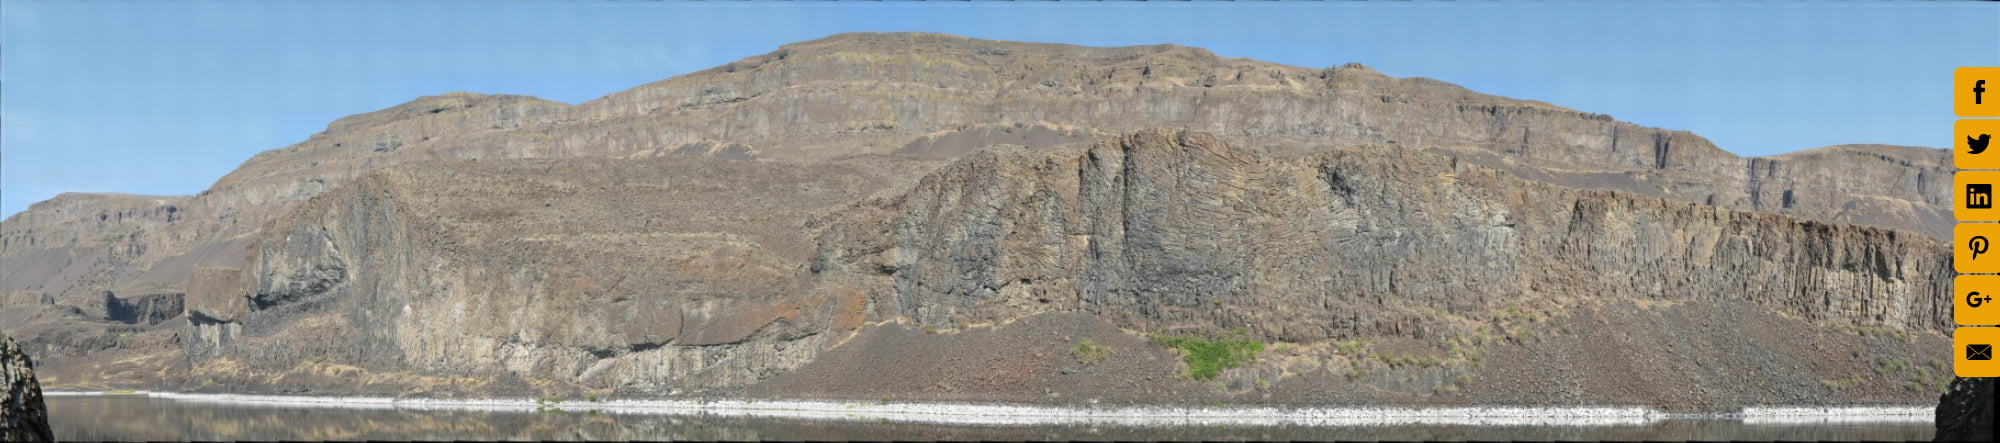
(647, 275)
(946, 96)
(1167, 230)
(1255, 230)
(697, 275)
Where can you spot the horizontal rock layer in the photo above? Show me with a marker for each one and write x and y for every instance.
(1177, 230)
(943, 96)
(712, 229)
(671, 275)
(654, 273)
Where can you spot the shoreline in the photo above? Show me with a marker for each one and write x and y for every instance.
(1024, 415)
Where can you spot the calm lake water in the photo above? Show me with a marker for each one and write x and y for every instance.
(131, 417)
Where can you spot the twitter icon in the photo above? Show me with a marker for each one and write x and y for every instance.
(1970, 138)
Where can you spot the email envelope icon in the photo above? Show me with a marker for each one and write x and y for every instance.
(1978, 352)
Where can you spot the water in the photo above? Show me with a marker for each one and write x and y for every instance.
(136, 417)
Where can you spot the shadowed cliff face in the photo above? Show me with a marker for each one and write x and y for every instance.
(640, 274)
(1320, 204)
(944, 96)
(1164, 230)
(710, 275)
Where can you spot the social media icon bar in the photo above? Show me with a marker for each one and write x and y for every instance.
(1972, 198)
(1973, 248)
(1976, 300)
(1975, 91)
(1972, 143)
(1973, 346)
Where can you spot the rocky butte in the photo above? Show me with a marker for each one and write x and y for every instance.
(928, 217)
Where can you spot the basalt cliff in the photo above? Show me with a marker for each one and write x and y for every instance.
(929, 217)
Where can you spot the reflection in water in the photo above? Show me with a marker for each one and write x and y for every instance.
(147, 418)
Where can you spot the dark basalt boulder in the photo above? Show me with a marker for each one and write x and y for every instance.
(1965, 411)
(23, 417)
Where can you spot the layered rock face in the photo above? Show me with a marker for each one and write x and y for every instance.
(22, 415)
(1165, 230)
(944, 96)
(639, 274)
(78, 246)
(1898, 187)
(711, 275)
(711, 230)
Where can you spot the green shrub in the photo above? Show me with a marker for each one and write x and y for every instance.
(1886, 365)
(1351, 348)
(1914, 386)
(1846, 383)
(1394, 361)
(1206, 357)
(1090, 353)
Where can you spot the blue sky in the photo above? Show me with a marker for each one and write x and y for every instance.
(164, 98)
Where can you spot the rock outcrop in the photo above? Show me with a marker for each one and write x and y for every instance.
(23, 417)
(639, 274)
(709, 231)
(1965, 411)
(698, 275)
(1165, 230)
(944, 96)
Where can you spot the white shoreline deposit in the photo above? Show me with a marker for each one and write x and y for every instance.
(1017, 415)
(1838, 415)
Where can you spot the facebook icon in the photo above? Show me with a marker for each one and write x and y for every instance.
(1978, 196)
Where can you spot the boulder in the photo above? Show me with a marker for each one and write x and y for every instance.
(23, 417)
(1965, 411)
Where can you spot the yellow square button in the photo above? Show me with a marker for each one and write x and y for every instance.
(1972, 143)
(1972, 248)
(1974, 299)
(1972, 351)
(1972, 195)
(1975, 91)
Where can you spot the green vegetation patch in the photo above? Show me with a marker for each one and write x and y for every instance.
(1090, 353)
(1206, 357)
(1351, 348)
(1845, 383)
